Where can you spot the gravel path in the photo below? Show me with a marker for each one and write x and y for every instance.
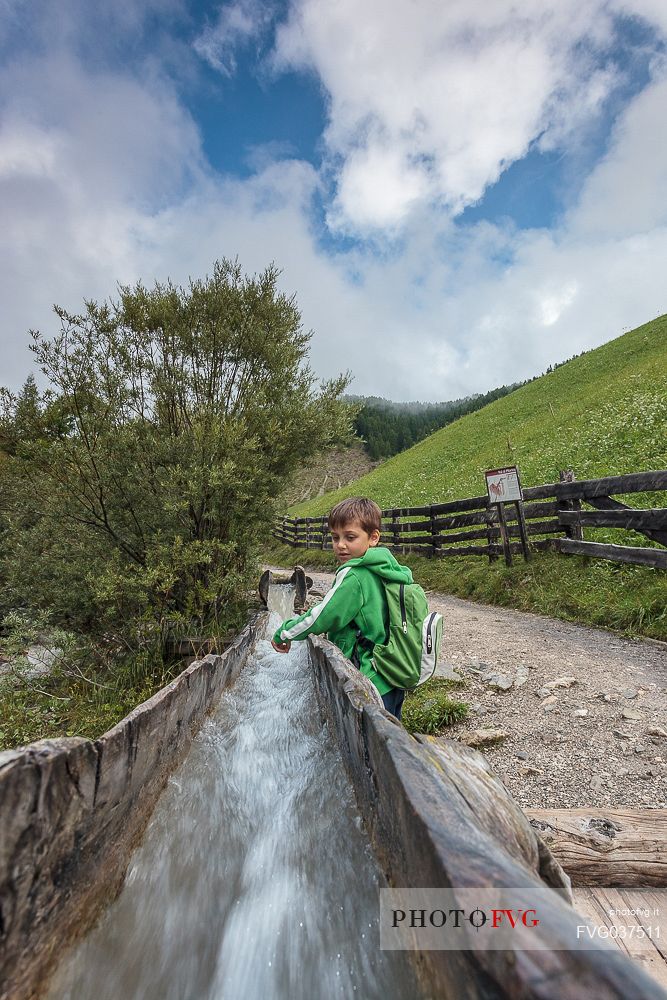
(600, 741)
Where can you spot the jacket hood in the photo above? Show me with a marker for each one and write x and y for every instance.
(381, 562)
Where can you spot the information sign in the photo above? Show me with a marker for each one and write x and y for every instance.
(503, 485)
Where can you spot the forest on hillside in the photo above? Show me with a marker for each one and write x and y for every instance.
(386, 428)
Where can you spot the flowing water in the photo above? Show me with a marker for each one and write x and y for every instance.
(255, 878)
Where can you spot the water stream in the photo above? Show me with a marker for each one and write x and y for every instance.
(255, 878)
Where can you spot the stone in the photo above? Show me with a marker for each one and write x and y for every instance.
(597, 783)
(521, 675)
(498, 681)
(579, 713)
(529, 769)
(639, 748)
(657, 731)
(484, 737)
(631, 715)
(551, 700)
(629, 693)
(521, 755)
(562, 682)
(448, 672)
(543, 692)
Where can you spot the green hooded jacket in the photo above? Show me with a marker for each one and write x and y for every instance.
(355, 604)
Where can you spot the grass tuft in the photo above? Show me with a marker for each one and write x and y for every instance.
(430, 708)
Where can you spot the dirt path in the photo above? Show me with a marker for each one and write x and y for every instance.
(601, 741)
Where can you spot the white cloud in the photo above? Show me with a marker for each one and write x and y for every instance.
(626, 192)
(237, 24)
(102, 179)
(431, 101)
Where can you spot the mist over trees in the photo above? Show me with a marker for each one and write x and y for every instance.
(387, 428)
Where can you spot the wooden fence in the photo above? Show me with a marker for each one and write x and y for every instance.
(554, 518)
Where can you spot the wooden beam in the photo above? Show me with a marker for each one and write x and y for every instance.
(616, 553)
(606, 503)
(608, 847)
(636, 520)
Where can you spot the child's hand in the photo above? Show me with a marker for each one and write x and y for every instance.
(281, 647)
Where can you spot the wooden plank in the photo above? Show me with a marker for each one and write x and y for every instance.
(616, 553)
(480, 517)
(613, 909)
(637, 520)
(539, 528)
(609, 847)
(606, 503)
(452, 506)
(633, 482)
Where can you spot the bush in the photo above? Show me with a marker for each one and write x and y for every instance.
(137, 485)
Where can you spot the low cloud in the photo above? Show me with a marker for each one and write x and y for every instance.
(103, 179)
(430, 102)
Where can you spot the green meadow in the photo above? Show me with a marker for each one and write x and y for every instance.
(603, 413)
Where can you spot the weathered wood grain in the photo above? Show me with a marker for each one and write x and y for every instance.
(605, 908)
(606, 847)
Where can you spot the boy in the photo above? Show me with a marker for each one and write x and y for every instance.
(354, 612)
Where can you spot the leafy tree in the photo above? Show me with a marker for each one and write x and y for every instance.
(143, 481)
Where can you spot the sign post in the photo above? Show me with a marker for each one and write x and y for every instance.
(504, 486)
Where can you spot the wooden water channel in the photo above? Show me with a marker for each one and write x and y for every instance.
(435, 814)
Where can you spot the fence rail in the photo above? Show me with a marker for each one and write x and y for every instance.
(553, 509)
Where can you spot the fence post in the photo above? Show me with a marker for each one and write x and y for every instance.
(571, 530)
(490, 521)
(307, 532)
(324, 533)
(434, 545)
(523, 531)
(394, 531)
(504, 533)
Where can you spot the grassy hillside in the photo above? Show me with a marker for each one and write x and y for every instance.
(604, 413)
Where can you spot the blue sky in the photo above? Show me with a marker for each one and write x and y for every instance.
(458, 194)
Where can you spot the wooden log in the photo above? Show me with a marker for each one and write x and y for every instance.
(606, 503)
(633, 482)
(424, 525)
(636, 520)
(616, 553)
(452, 506)
(513, 531)
(471, 550)
(481, 517)
(283, 538)
(608, 847)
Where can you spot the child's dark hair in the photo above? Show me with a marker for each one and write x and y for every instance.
(360, 509)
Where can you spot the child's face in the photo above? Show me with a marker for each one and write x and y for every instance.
(351, 541)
